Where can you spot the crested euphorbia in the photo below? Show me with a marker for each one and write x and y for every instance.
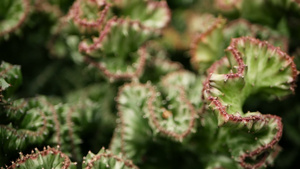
(207, 46)
(128, 26)
(206, 111)
(171, 113)
(251, 67)
(116, 23)
(110, 56)
(54, 158)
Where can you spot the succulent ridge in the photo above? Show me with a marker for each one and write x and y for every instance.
(166, 114)
(37, 160)
(121, 115)
(22, 134)
(76, 14)
(217, 98)
(256, 30)
(105, 154)
(97, 43)
(200, 37)
(98, 48)
(149, 6)
(54, 158)
(241, 66)
(202, 43)
(83, 46)
(56, 121)
(173, 117)
(125, 75)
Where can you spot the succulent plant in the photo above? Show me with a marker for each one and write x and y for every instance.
(54, 158)
(149, 84)
(251, 66)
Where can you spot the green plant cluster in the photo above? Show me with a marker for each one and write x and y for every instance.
(149, 84)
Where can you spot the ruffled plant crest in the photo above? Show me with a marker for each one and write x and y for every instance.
(251, 66)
